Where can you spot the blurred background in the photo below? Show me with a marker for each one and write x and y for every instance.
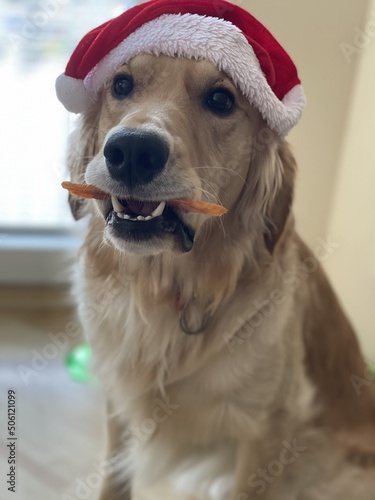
(333, 46)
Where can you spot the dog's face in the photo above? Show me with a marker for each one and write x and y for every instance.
(168, 128)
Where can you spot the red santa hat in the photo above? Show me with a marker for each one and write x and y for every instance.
(214, 30)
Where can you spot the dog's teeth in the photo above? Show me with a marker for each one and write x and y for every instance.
(123, 216)
(159, 210)
(117, 207)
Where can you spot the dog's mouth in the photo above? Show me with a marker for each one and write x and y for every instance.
(139, 221)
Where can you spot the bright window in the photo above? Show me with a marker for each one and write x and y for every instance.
(37, 38)
(38, 237)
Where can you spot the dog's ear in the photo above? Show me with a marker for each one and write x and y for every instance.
(279, 208)
(268, 192)
(82, 147)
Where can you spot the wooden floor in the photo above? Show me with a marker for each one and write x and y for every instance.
(60, 422)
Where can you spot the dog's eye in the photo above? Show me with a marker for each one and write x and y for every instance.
(122, 86)
(220, 101)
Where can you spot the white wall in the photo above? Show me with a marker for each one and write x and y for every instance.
(334, 141)
(352, 218)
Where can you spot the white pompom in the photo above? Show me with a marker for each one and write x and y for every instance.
(72, 94)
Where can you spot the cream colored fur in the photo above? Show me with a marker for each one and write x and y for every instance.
(273, 369)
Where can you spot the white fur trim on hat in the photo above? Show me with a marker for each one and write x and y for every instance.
(72, 93)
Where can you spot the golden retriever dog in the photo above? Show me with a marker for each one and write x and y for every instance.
(231, 371)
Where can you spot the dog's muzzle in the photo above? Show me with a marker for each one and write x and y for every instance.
(138, 214)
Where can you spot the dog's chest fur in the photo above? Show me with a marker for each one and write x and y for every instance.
(181, 395)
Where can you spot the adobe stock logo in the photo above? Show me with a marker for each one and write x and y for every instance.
(361, 39)
(36, 21)
(267, 475)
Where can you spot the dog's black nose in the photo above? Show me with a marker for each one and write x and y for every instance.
(135, 156)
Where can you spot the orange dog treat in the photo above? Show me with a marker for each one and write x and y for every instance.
(184, 204)
(198, 207)
(85, 191)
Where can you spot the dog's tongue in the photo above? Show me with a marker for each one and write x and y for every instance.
(136, 207)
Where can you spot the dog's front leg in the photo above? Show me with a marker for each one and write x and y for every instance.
(114, 487)
(247, 465)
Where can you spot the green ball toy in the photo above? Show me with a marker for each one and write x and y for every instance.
(78, 363)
